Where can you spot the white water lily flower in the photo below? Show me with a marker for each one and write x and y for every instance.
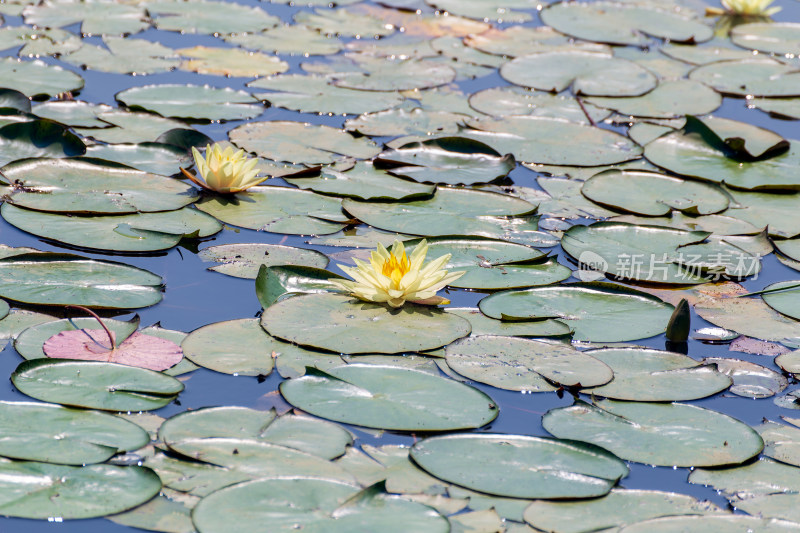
(756, 8)
(394, 278)
(224, 171)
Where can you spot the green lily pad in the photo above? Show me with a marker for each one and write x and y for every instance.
(646, 253)
(749, 379)
(763, 476)
(244, 260)
(142, 232)
(406, 120)
(688, 153)
(653, 194)
(155, 158)
(520, 466)
(495, 10)
(670, 99)
(776, 212)
(278, 210)
(43, 491)
(92, 186)
(749, 77)
(617, 508)
(314, 93)
(95, 18)
(587, 73)
(120, 126)
(780, 107)
(303, 433)
(124, 56)
(723, 524)
(518, 40)
(770, 37)
(283, 504)
(76, 280)
(275, 283)
(388, 74)
(623, 23)
(83, 437)
(524, 364)
(37, 138)
(448, 160)
(645, 375)
(456, 212)
(742, 139)
(370, 328)
(11, 99)
(702, 55)
(192, 101)
(784, 298)
(781, 441)
(230, 62)
(297, 142)
(388, 397)
(592, 309)
(170, 512)
(344, 22)
(16, 321)
(364, 182)
(504, 101)
(36, 78)
(671, 434)
(535, 140)
(483, 325)
(209, 17)
(295, 39)
(96, 385)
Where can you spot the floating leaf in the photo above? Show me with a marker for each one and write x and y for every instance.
(36, 78)
(344, 22)
(670, 99)
(230, 62)
(278, 210)
(483, 325)
(37, 138)
(749, 379)
(732, 523)
(771, 37)
(646, 375)
(297, 142)
(118, 126)
(194, 101)
(782, 297)
(533, 467)
(96, 385)
(749, 77)
(405, 121)
(29, 342)
(295, 39)
(591, 308)
(623, 23)
(371, 328)
(77, 280)
(587, 73)
(524, 364)
(209, 17)
(378, 396)
(274, 283)
(657, 433)
(95, 18)
(244, 260)
(43, 491)
(504, 101)
(156, 158)
(124, 56)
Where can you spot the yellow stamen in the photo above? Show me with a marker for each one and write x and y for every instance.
(395, 268)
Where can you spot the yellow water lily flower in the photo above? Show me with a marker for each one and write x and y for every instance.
(754, 8)
(395, 278)
(224, 171)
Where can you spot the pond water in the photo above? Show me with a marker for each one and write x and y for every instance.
(195, 296)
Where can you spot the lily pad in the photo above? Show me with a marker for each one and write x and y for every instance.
(278, 210)
(29, 342)
(344, 22)
(520, 466)
(770, 37)
(44, 491)
(315, 93)
(749, 77)
(591, 308)
(388, 397)
(370, 328)
(84, 437)
(297, 142)
(36, 78)
(37, 138)
(77, 280)
(779, 107)
(284, 504)
(230, 62)
(483, 325)
(587, 73)
(448, 160)
(653, 194)
(155, 158)
(96, 385)
(275, 283)
(364, 182)
(504, 101)
(142, 232)
(295, 39)
(617, 508)
(192, 101)
(406, 120)
(646, 375)
(655, 433)
(670, 99)
(724, 523)
(119, 126)
(524, 364)
(244, 260)
(535, 140)
(209, 17)
(623, 23)
(767, 210)
(95, 18)
(124, 56)
(92, 186)
(783, 298)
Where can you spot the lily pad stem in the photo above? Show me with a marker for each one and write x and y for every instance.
(89, 311)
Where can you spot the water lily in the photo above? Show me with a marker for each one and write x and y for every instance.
(754, 8)
(224, 171)
(395, 278)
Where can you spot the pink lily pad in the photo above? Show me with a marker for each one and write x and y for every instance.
(139, 350)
